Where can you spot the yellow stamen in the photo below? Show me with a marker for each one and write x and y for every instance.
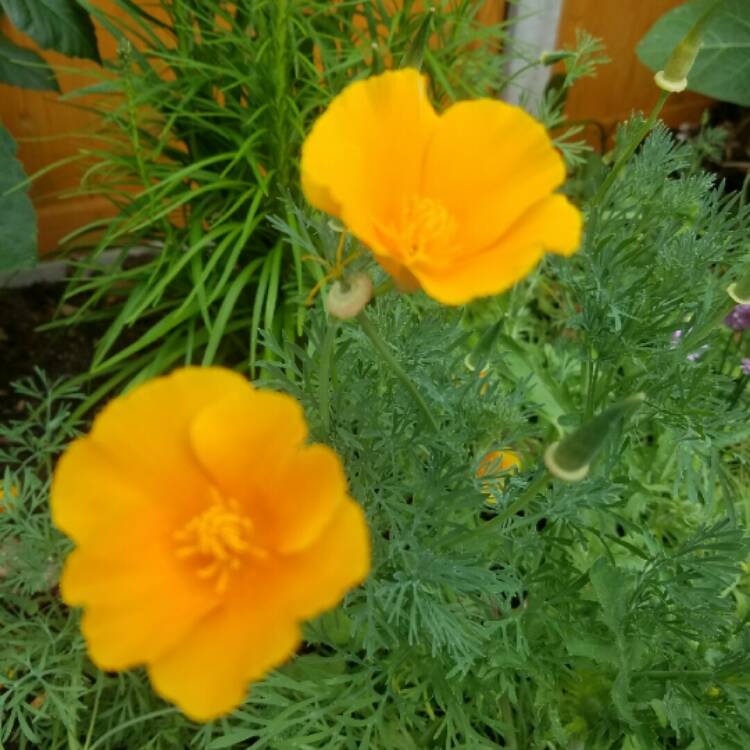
(220, 537)
(426, 227)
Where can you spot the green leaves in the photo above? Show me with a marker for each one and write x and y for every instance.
(23, 67)
(722, 68)
(17, 217)
(61, 25)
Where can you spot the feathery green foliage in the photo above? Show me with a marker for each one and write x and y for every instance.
(606, 614)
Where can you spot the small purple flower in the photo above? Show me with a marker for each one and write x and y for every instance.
(739, 318)
(676, 336)
(745, 366)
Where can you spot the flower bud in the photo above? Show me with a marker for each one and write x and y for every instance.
(346, 299)
(550, 58)
(739, 318)
(477, 357)
(740, 290)
(674, 77)
(570, 458)
(493, 469)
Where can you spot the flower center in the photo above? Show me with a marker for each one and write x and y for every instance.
(219, 538)
(424, 227)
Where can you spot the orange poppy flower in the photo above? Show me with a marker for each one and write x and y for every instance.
(206, 531)
(13, 493)
(460, 203)
(493, 469)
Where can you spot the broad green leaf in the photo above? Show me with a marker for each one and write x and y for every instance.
(23, 67)
(61, 25)
(722, 68)
(17, 217)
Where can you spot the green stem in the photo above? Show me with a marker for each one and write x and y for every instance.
(725, 353)
(643, 131)
(519, 504)
(740, 387)
(509, 731)
(382, 349)
(324, 384)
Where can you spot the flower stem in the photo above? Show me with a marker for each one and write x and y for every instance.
(520, 503)
(739, 388)
(324, 374)
(643, 131)
(382, 349)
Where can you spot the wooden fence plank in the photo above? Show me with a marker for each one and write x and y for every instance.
(42, 125)
(624, 84)
(48, 131)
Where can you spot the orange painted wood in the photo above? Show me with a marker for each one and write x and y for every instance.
(48, 131)
(623, 85)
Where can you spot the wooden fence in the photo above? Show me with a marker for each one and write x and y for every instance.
(42, 124)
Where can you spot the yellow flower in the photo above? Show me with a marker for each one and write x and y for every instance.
(493, 469)
(13, 493)
(460, 203)
(206, 531)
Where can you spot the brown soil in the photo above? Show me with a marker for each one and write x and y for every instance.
(59, 352)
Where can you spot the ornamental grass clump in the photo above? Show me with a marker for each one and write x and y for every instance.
(366, 548)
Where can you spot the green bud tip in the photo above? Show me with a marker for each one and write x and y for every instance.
(570, 458)
(478, 357)
(550, 58)
(674, 77)
(740, 291)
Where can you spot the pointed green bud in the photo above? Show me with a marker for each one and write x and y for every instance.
(674, 77)
(550, 58)
(477, 357)
(571, 457)
(740, 290)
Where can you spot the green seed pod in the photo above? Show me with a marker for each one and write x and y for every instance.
(570, 458)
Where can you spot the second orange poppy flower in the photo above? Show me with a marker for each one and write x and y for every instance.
(460, 204)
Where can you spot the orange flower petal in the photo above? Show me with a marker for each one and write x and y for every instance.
(139, 601)
(365, 153)
(290, 490)
(148, 430)
(246, 438)
(207, 674)
(303, 504)
(488, 163)
(553, 224)
(90, 491)
(316, 579)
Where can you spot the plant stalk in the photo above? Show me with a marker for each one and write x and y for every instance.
(643, 131)
(382, 349)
